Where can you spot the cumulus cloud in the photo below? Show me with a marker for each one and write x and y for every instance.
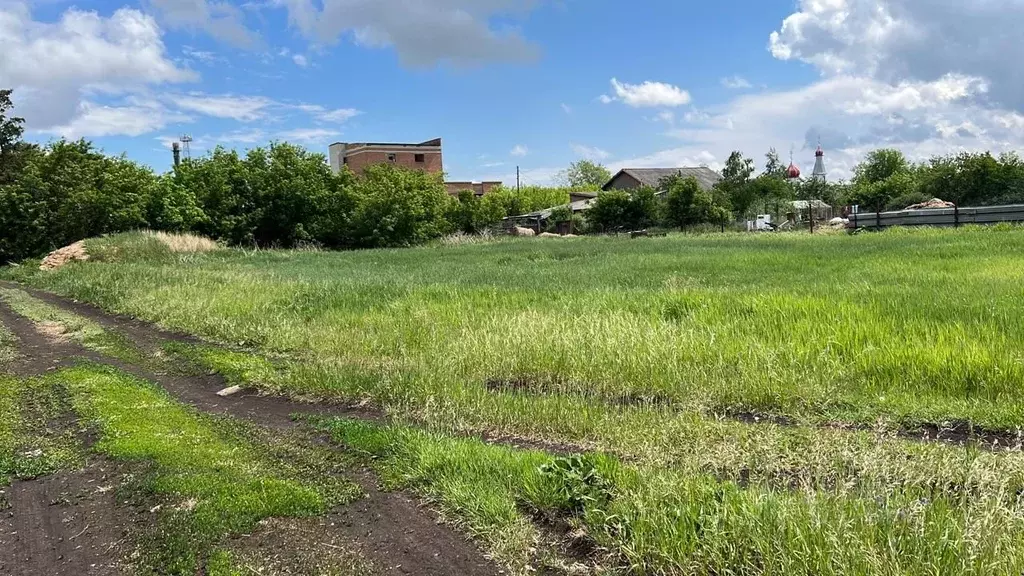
(850, 115)
(519, 151)
(930, 77)
(423, 33)
(132, 118)
(919, 40)
(589, 152)
(53, 65)
(300, 60)
(647, 94)
(222, 20)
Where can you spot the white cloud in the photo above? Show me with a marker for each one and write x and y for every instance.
(423, 33)
(736, 83)
(300, 60)
(132, 119)
(52, 66)
(222, 20)
(241, 108)
(589, 152)
(566, 108)
(492, 164)
(919, 40)
(930, 77)
(309, 135)
(851, 115)
(519, 150)
(648, 94)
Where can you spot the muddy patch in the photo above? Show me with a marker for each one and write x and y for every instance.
(65, 524)
(293, 547)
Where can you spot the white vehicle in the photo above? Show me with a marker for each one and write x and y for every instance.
(763, 223)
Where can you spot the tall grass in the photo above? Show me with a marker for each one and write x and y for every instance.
(647, 349)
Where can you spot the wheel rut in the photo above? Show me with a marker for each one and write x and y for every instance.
(391, 529)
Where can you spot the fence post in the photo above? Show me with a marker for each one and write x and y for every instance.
(956, 216)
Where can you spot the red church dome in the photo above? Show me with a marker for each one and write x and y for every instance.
(819, 152)
(792, 172)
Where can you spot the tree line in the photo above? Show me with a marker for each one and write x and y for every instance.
(276, 196)
(884, 180)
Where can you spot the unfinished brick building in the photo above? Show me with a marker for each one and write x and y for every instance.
(357, 156)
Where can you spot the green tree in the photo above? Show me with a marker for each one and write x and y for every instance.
(472, 215)
(737, 168)
(222, 188)
(11, 130)
(734, 190)
(69, 191)
(688, 204)
(584, 175)
(11, 127)
(399, 207)
(773, 165)
(620, 210)
(879, 165)
(512, 202)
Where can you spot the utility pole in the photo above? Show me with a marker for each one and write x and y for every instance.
(517, 180)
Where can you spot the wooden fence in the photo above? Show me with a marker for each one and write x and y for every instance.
(938, 217)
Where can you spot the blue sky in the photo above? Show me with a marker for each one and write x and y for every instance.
(533, 83)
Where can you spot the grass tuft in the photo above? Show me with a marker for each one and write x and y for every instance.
(212, 478)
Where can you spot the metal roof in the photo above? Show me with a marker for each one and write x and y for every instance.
(577, 206)
(653, 176)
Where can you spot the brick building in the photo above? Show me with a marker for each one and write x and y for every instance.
(478, 188)
(357, 156)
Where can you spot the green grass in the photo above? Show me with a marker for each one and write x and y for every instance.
(637, 348)
(8, 346)
(653, 521)
(909, 327)
(212, 477)
(37, 436)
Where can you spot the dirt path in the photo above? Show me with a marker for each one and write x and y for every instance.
(392, 530)
(65, 524)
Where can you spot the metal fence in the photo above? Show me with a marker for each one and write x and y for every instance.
(938, 217)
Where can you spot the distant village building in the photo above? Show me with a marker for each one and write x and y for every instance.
(819, 172)
(426, 156)
(633, 178)
(478, 188)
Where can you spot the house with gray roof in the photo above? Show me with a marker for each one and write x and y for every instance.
(633, 178)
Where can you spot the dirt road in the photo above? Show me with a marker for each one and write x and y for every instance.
(70, 524)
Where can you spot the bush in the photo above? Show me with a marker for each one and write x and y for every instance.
(399, 207)
(620, 210)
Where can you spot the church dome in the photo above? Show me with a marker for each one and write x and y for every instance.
(792, 172)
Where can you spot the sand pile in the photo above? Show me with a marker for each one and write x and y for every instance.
(60, 257)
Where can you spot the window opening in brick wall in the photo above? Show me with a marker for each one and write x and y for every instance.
(392, 157)
(421, 158)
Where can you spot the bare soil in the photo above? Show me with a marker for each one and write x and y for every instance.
(396, 534)
(65, 524)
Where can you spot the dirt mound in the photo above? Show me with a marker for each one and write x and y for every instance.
(60, 257)
(930, 204)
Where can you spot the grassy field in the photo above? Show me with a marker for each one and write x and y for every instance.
(753, 392)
